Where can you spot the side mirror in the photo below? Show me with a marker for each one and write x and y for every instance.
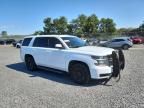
(59, 46)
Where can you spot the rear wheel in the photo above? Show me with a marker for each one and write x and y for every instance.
(79, 73)
(17, 46)
(30, 63)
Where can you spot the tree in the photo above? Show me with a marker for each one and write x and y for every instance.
(91, 25)
(55, 26)
(102, 25)
(126, 31)
(60, 25)
(4, 33)
(85, 25)
(81, 26)
(48, 25)
(107, 26)
(141, 29)
(110, 26)
(38, 32)
(78, 25)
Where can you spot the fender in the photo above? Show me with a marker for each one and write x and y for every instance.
(78, 57)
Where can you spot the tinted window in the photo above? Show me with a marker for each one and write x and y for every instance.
(74, 42)
(41, 42)
(26, 41)
(117, 40)
(53, 42)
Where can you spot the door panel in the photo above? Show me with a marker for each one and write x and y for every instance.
(56, 59)
(40, 55)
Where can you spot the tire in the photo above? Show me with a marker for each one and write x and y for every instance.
(17, 46)
(125, 47)
(79, 73)
(116, 65)
(30, 63)
(121, 59)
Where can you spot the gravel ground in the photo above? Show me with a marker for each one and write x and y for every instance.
(20, 88)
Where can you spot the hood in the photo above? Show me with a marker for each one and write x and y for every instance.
(93, 50)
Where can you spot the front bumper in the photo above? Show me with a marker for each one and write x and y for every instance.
(101, 72)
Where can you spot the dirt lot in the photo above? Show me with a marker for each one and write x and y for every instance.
(20, 88)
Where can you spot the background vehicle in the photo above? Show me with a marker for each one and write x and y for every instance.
(120, 42)
(136, 40)
(2, 42)
(92, 41)
(18, 44)
(9, 41)
(14, 44)
(72, 55)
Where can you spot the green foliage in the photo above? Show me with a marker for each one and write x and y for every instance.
(38, 32)
(4, 34)
(107, 26)
(60, 25)
(48, 26)
(55, 26)
(82, 26)
(91, 25)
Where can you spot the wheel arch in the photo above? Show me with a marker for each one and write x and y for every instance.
(78, 61)
(27, 55)
(125, 44)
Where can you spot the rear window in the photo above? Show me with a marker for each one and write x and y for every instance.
(46, 42)
(26, 41)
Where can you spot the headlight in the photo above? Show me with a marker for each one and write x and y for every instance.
(101, 60)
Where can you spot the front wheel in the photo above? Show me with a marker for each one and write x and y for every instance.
(79, 73)
(125, 47)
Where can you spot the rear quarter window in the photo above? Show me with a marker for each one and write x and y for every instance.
(26, 41)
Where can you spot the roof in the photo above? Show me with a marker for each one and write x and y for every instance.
(121, 38)
(49, 36)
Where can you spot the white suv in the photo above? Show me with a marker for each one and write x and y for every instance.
(71, 54)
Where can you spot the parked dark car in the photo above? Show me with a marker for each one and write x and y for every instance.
(9, 41)
(2, 42)
(14, 44)
(17, 44)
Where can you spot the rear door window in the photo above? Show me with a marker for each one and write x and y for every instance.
(26, 41)
(41, 42)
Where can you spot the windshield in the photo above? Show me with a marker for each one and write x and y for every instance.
(74, 42)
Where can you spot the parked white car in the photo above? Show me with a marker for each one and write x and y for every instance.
(70, 54)
(119, 42)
